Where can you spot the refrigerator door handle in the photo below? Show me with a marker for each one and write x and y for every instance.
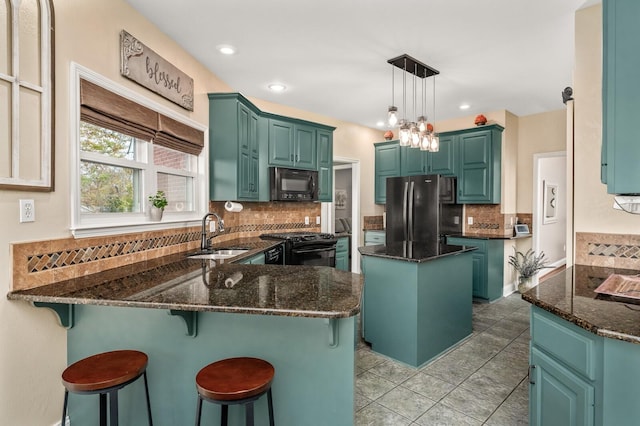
(404, 209)
(410, 213)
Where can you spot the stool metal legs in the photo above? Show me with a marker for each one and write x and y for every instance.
(113, 403)
(248, 406)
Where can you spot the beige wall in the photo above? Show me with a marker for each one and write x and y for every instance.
(593, 206)
(87, 32)
(537, 133)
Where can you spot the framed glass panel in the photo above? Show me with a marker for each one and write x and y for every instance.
(30, 128)
(108, 189)
(107, 142)
(5, 38)
(179, 191)
(29, 39)
(5, 129)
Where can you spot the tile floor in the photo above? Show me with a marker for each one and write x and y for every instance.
(481, 382)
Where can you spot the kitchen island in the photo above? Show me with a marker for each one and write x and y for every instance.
(585, 351)
(418, 299)
(186, 313)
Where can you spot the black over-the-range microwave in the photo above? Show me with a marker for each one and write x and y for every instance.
(293, 184)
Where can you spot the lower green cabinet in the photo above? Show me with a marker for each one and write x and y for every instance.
(488, 266)
(342, 254)
(373, 238)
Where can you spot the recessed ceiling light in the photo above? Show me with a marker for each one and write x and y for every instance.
(465, 106)
(277, 87)
(380, 124)
(226, 49)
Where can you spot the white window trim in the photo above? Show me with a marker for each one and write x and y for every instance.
(46, 178)
(135, 222)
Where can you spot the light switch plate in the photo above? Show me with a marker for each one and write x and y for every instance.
(470, 220)
(306, 220)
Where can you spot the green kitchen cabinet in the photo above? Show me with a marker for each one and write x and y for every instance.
(620, 96)
(374, 237)
(566, 375)
(472, 155)
(342, 254)
(387, 164)
(445, 161)
(488, 266)
(234, 148)
(558, 396)
(479, 170)
(325, 165)
(292, 144)
(412, 161)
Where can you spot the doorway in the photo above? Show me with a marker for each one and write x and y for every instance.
(550, 206)
(342, 216)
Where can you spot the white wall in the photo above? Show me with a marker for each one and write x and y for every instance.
(551, 236)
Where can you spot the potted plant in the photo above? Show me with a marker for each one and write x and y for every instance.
(158, 203)
(527, 265)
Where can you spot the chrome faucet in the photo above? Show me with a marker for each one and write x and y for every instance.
(204, 241)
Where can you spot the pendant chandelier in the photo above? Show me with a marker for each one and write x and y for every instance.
(418, 133)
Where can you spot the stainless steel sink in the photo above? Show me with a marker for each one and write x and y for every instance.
(218, 254)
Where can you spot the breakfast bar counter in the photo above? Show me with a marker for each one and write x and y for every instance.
(186, 313)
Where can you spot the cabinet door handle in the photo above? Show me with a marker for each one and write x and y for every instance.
(291, 157)
(297, 157)
(530, 374)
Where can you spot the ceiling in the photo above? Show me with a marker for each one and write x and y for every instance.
(332, 54)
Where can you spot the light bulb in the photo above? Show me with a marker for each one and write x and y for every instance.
(415, 136)
(422, 123)
(393, 116)
(425, 143)
(435, 143)
(405, 135)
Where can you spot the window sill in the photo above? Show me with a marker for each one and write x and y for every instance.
(103, 229)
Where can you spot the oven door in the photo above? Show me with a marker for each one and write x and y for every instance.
(314, 254)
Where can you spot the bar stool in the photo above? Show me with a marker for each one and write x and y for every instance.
(105, 374)
(235, 381)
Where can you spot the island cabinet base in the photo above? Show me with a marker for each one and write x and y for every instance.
(313, 384)
(415, 311)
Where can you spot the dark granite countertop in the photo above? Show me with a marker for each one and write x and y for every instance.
(413, 251)
(570, 295)
(488, 236)
(178, 283)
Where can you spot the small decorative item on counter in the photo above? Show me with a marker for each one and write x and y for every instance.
(527, 265)
(481, 120)
(158, 203)
(388, 135)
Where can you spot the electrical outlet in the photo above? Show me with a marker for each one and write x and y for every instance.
(306, 220)
(456, 220)
(470, 220)
(27, 211)
(212, 226)
(317, 220)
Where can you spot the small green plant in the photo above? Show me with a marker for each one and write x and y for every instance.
(528, 264)
(159, 200)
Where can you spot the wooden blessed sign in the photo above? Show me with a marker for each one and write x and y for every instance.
(148, 69)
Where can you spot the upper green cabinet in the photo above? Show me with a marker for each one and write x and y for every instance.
(479, 165)
(325, 165)
(472, 155)
(387, 164)
(620, 96)
(234, 147)
(244, 142)
(292, 145)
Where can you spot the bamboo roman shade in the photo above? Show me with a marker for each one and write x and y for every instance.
(103, 108)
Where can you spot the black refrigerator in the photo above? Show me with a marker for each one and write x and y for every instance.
(422, 209)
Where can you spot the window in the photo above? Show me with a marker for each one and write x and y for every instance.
(26, 90)
(127, 149)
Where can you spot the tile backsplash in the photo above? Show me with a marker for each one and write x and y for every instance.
(40, 263)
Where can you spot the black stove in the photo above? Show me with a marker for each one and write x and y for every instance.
(306, 248)
(297, 236)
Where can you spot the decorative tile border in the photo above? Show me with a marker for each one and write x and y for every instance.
(608, 250)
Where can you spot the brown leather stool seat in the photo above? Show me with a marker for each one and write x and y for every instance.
(235, 381)
(105, 374)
